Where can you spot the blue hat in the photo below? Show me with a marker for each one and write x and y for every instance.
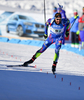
(55, 8)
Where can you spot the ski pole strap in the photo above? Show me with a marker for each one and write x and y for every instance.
(73, 22)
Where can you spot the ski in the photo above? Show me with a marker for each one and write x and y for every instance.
(21, 66)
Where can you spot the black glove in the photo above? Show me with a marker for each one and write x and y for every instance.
(45, 36)
(67, 33)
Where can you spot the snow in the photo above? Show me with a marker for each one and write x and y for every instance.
(21, 83)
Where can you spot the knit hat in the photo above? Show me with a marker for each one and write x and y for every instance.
(55, 8)
(76, 12)
(58, 15)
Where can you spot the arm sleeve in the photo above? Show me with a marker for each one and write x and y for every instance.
(46, 26)
(66, 22)
(77, 24)
(81, 23)
(63, 14)
(68, 25)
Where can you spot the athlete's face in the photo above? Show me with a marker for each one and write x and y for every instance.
(58, 20)
(59, 10)
(54, 10)
(83, 10)
(75, 14)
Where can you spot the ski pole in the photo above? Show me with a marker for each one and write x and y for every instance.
(44, 12)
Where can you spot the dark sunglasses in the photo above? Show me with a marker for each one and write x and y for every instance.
(58, 18)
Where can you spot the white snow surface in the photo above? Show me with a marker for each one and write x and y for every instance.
(23, 83)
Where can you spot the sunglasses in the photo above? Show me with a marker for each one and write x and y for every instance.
(58, 18)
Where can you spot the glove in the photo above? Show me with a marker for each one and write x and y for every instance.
(64, 21)
(75, 16)
(67, 33)
(78, 32)
(45, 36)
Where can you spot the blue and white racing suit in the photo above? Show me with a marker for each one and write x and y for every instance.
(56, 36)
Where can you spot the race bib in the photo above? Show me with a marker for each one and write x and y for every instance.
(57, 31)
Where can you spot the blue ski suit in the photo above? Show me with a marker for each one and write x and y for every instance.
(56, 36)
(63, 14)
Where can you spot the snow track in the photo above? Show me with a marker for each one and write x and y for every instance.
(39, 83)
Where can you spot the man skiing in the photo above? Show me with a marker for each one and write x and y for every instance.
(56, 36)
(61, 11)
(63, 14)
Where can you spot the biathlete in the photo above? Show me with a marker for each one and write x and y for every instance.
(61, 11)
(63, 14)
(56, 36)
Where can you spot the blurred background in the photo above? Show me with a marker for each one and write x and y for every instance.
(25, 18)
